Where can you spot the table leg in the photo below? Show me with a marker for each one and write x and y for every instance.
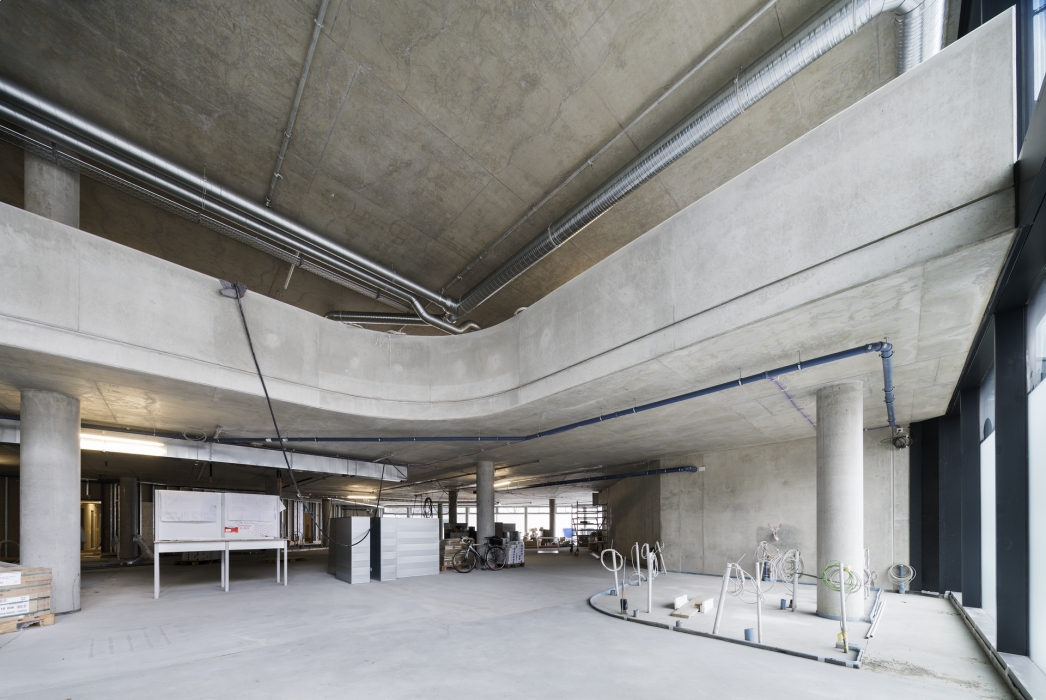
(156, 572)
(227, 569)
(284, 563)
(277, 565)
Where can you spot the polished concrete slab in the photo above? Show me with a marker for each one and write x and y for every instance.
(519, 633)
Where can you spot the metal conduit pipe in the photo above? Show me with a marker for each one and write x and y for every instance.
(213, 194)
(297, 101)
(884, 348)
(376, 319)
(200, 201)
(802, 47)
(609, 477)
(67, 160)
(920, 31)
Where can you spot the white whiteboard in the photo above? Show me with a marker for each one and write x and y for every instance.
(250, 515)
(187, 515)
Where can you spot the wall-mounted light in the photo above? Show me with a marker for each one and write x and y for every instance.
(131, 446)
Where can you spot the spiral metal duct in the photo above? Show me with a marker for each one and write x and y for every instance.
(128, 166)
(917, 40)
(375, 319)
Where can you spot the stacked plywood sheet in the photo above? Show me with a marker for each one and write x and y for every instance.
(448, 548)
(25, 597)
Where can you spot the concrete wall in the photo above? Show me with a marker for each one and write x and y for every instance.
(635, 508)
(721, 513)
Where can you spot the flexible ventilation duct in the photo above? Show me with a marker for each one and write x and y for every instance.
(917, 40)
(920, 31)
(375, 319)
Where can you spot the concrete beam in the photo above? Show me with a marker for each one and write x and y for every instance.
(905, 199)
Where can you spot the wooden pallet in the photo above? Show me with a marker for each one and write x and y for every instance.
(272, 560)
(515, 566)
(9, 626)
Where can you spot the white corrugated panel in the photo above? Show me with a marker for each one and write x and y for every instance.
(417, 547)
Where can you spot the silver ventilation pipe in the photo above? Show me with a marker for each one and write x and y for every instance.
(375, 319)
(802, 47)
(920, 32)
(125, 156)
(320, 259)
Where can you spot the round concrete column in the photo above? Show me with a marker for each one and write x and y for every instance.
(484, 501)
(840, 488)
(453, 505)
(552, 517)
(49, 472)
(52, 191)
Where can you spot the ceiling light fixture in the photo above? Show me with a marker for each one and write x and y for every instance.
(503, 483)
(109, 443)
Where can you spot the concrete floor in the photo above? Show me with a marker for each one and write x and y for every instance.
(518, 633)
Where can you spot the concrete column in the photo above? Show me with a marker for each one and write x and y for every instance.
(128, 517)
(439, 518)
(49, 515)
(552, 516)
(453, 495)
(840, 489)
(52, 191)
(274, 484)
(484, 501)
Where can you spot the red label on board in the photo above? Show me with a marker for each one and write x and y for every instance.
(232, 529)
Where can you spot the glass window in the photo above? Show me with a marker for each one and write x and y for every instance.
(988, 582)
(988, 404)
(1036, 330)
(1038, 28)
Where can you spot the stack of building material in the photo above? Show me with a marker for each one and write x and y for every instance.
(448, 548)
(513, 553)
(25, 597)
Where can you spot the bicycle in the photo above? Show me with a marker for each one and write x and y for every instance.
(493, 558)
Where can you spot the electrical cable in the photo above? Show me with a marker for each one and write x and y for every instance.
(897, 578)
(237, 290)
(833, 577)
(786, 568)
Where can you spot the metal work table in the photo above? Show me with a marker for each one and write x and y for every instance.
(223, 546)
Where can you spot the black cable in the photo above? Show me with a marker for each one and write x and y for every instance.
(239, 290)
(381, 483)
(261, 378)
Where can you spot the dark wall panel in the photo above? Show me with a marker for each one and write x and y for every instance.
(970, 446)
(949, 484)
(1011, 482)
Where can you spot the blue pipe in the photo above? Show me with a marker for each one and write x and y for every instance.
(884, 348)
(887, 354)
(651, 472)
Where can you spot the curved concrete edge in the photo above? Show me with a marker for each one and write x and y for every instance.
(855, 664)
(819, 227)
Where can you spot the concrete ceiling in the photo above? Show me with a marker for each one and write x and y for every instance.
(929, 312)
(426, 129)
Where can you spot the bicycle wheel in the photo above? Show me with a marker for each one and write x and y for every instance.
(495, 558)
(466, 561)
